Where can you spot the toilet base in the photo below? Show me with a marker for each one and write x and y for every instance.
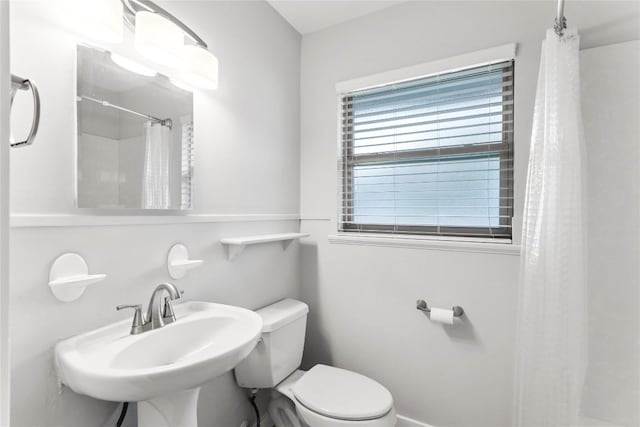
(282, 412)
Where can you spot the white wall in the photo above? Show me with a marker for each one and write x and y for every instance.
(362, 298)
(4, 215)
(246, 147)
(610, 79)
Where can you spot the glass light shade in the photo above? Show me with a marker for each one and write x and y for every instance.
(200, 67)
(158, 39)
(100, 20)
(131, 65)
(179, 84)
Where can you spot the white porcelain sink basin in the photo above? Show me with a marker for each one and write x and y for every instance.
(167, 364)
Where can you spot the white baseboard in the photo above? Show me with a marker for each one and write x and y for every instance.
(586, 422)
(410, 422)
(594, 422)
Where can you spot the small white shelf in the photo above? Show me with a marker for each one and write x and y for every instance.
(235, 245)
(178, 262)
(187, 264)
(69, 277)
(82, 280)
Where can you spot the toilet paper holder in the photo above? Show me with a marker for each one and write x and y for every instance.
(422, 306)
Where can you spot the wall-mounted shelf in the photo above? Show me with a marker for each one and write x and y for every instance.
(235, 245)
(178, 262)
(82, 280)
(69, 277)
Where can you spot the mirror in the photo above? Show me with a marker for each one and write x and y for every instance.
(135, 135)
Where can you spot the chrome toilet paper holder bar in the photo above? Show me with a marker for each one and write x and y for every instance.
(422, 306)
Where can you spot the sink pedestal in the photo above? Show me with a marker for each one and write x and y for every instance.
(178, 409)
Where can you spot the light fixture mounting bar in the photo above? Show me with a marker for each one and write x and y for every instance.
(133, 6)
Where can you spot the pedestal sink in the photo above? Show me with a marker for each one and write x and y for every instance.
(161, 369)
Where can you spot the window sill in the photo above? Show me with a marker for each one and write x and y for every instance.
(454, 244)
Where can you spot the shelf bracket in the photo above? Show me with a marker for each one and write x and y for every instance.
(69, 277)
(178, 262)
(234, 250)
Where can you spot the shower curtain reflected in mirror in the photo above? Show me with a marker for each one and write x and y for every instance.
(551, 353)
(155, 183)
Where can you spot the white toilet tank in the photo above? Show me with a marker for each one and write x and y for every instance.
(279, 352)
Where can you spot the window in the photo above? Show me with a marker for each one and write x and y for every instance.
(430, 156)
(186, 184)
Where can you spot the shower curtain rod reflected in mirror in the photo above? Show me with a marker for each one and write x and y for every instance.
(164, 122)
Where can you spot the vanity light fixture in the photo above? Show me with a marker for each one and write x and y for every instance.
(180, 84)
(158, 39)
(160, 36)
(100, 20)
(133, 66)
(200, 67)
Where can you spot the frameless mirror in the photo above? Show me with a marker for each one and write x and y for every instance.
(135, 135)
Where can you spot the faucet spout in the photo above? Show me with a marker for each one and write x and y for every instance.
(154, 312)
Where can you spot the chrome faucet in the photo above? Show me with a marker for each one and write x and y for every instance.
(155, 317)
(158, 318)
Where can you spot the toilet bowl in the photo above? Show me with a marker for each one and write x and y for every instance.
(324, 396)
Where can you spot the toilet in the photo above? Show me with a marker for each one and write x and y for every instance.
(323, 396)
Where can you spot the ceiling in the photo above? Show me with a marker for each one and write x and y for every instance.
(307, 16)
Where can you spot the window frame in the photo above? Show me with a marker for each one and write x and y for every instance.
(504, 150)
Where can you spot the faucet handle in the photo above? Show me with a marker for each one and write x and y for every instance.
(138, 318)
(123, 306)
(168, 316)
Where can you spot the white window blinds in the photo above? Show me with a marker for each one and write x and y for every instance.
(186, 174)
(430, 156)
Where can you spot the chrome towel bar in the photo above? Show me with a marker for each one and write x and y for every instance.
(422, 306)
(19, 83)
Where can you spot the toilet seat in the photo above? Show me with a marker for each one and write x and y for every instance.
(314, 419)
(338, 394)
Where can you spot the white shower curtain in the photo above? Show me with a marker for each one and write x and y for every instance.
(155, 183)
(551, 333)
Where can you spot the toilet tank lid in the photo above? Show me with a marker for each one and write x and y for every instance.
(281, 313)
